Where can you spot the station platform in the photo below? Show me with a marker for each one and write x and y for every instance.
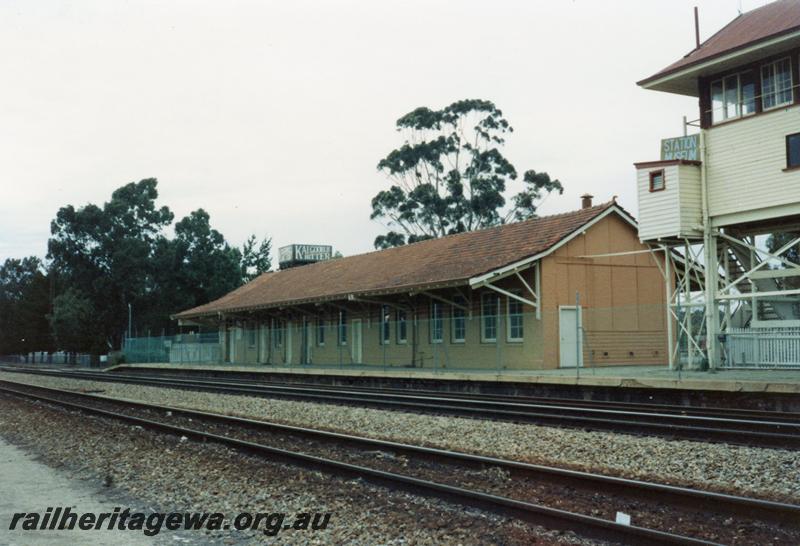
(785, 381)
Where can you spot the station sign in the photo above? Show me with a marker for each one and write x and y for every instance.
(685, 147)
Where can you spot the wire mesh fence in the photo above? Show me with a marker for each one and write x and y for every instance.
(496, 338)
(194, 348)
(55, 359)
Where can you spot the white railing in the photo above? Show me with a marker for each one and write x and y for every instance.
(763, 348)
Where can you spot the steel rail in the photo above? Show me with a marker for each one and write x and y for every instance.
(541, 515)
(697, 411)
(738, 431)
(722, 412)
(510, 402)
(721, 502)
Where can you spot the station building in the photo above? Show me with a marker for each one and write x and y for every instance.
(557, 291)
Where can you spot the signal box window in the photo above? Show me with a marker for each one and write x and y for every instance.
(733, 96)
(793, 151)
(657, 180)
(776, 83)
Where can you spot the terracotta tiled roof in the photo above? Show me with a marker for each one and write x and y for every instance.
(749, 28)
(447, 261)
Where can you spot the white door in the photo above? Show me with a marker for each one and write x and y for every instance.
(569, 337)
(356, 347)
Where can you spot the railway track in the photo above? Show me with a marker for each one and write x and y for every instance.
(303, 446)
(744, 427)
(723, 412)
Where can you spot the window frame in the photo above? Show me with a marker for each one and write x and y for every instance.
(385, 332)
(436, 316)
(771, 65)
(521, 314)
(789, 165)
(663, 174)
(320, 332)
(740, 113)
(458, 314)
(493, 299)
(401, 319)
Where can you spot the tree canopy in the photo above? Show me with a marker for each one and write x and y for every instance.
(102, 259)
(450, 175)
(24, 305)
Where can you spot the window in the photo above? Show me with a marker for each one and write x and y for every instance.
(342, 327)
(793, 151)
(657, 180)
(437, 322)
(321, 332)
(776, 83)
(733, 96)
(278, 333)
(385, 325)
(489, 317)
(402, 330)
(251, 335)
(515, 318)
(458, 327)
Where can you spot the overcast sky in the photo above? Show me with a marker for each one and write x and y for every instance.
(272, 115)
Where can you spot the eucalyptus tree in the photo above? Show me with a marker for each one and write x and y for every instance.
(450, 175)
(24, 305)
(103, 257)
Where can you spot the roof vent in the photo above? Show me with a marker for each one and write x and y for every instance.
(586, 201)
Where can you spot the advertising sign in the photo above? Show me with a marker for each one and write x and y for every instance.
(304, 253)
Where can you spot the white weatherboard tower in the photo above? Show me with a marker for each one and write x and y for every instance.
(723, 205)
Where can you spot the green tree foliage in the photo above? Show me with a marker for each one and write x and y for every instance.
(256, 257)
(450, 176)
(74, 323)
(103, 259)
(24, 304)
(210, 266)
(105, 254)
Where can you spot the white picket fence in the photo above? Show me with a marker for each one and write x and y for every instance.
(763, 348)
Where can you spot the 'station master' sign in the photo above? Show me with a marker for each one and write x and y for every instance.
(681, 148)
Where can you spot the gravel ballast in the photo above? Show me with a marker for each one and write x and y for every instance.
(651, 512)
(170, 473)
(750, 471)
